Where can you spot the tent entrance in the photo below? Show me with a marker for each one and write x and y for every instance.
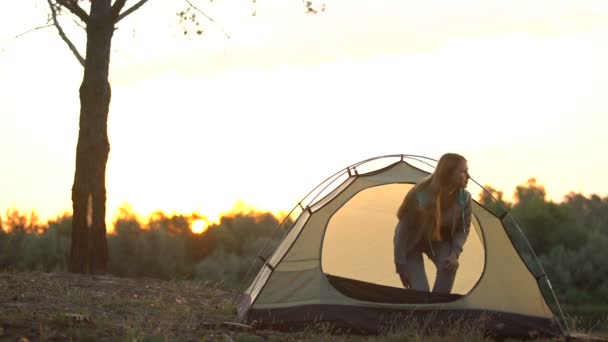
(358, 243)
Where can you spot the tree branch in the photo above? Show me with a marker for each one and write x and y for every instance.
(63, 36)
(79, 24)
(117, 7)
(128, 11)
(34, 29)
(209, 18)
(73, 7)
(26, 32)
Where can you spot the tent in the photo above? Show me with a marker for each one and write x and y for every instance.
(334, 264)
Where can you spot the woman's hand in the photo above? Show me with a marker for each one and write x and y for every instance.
(405, 279)
(451, 263)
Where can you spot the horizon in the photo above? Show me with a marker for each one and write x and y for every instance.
(199, 222)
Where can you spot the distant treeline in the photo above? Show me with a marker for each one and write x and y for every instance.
(570, 238)
(163, 247)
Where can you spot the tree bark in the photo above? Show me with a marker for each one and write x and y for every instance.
(89, 251)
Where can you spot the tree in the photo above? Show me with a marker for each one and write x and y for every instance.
(591, 213)
(546, 223)
(89, 251)
(493, 200)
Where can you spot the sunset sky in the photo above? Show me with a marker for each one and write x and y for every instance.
(198, 123)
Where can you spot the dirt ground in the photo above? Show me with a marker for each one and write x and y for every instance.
(69, 307)
(62, 306)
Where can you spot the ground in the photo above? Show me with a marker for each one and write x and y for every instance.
(61, 306)
(69, 307)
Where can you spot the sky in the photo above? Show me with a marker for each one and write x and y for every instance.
(211, 124)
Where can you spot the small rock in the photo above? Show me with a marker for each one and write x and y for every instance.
(77, 317)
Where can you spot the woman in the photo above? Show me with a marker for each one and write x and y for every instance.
(434, 218)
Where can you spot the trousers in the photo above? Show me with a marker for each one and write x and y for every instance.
(438, 252)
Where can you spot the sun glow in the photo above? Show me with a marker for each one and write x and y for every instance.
(199, 226)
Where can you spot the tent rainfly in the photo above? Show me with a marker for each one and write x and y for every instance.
(334, 265)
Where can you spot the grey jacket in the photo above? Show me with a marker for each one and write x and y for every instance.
(409, 232)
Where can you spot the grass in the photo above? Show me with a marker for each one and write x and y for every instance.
(67, 307)
(588, 319)
(42, 306)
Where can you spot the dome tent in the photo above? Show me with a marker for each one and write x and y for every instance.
(334, 264)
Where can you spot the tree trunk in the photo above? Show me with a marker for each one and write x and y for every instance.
(89, 251)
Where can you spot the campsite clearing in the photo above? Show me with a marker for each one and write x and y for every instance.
(61, 306)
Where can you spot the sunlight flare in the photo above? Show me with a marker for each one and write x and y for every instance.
(199, 226)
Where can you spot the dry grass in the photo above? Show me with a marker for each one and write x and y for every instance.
(68, 307)
(48, 306)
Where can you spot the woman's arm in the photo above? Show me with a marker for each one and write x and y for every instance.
(399, 242)
(409, 219)
(462, 232)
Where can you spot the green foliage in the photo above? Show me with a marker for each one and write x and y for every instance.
(545, 223)
(166, 248)
(570, 238)
(163, 247)
(240, 238)
(493, 200)
(589, 213)
(579, 276)
(28, 246)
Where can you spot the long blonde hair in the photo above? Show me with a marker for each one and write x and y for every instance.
(439, 188)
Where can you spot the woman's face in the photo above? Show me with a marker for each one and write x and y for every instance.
(461, 176)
